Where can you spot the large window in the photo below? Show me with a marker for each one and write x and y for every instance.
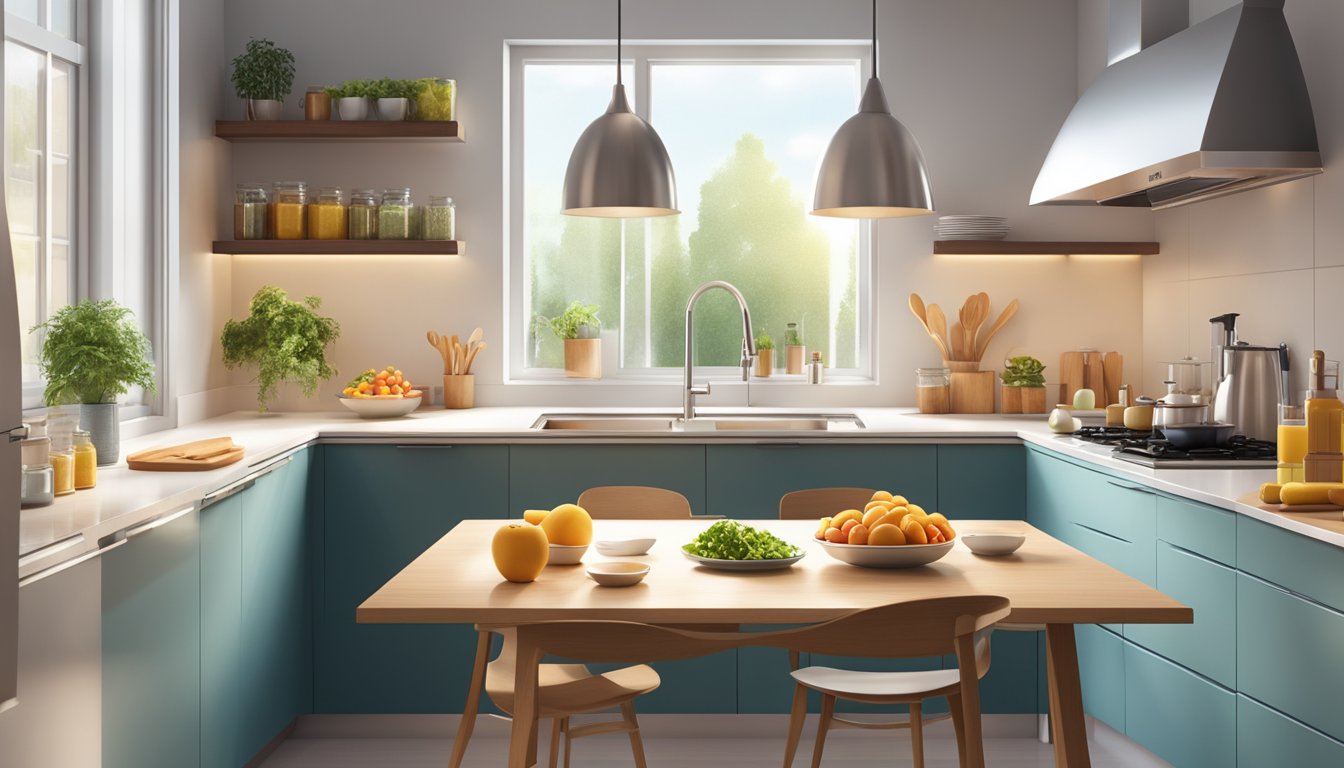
(746, 126)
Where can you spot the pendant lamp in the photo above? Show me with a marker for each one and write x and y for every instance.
(619, 168)
(873, 168)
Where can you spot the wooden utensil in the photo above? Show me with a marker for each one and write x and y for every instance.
(1071, 376)
(471, 356)
(1113, 370)
(452, 350)
(437, 342)
(982, 344)
(979, 313)
(917, 307)
(938, 329)
(958, 336)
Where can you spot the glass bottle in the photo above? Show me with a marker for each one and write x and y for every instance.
(290, 211)
(86, 461)
(316, 104)
(326, 215)
(38, 482)
(363, 215)
(933, 390)
(441, 218)
(251, 212)
(1292, 444)
(63, 462)
(394, 214)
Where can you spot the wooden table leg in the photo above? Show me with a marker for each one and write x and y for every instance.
(1066, 697)
(523, 737)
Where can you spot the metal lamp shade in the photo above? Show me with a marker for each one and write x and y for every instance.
(873, 168)
(620, 168)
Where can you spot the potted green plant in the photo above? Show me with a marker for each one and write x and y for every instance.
(92, 353)
(1023, 385)
(579, 327)
(263, 75)
(395, 97)
(795, 352)
(765, 355)
(351, 99)
(285, 339)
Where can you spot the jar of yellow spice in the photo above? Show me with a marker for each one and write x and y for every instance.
(326, 216)
(289, 211)
(86, 461)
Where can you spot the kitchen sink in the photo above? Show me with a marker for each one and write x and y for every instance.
(658, 422)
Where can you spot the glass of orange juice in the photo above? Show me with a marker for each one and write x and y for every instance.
(1292, 443)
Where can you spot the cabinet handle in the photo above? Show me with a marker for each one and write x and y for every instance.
(421, 446)
(777, 446)
(1293, 593)
(72, 562)
(1102, 533)
(1134, 488)
(156, 522)
(214, 497)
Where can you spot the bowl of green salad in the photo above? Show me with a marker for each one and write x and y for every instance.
(732, 546)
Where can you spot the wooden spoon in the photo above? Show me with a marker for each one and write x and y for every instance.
(1004, 317)
(917, 307)
(979, 313)
(958, 336)
(471, 356)
(437, 342)
(938, 329)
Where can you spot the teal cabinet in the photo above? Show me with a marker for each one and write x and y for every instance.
(1101, 666)
(1266, 737)
(1181, 717)
(151, 647)
(982, 482)
(1288, 654)
(222, 650)
(1209, 646)
(545, 476)
(385, 505)
(1204, 530)
(1304, 566)
(764, 685)
(747, 481)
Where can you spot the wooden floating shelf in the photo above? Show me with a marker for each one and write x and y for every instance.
(339, 130)
(325, 247)
(1048, 247)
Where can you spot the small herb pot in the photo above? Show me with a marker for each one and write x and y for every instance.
(795, 358)
(765, 363)
(265, 109)
(394, 109)
(352, 108)
(583, 358)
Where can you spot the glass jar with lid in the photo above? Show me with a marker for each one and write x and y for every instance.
(362, 215)
(394, 214)
(86, 461)
(38, 479)
(933, 390)
(326, 215)
(440, 218)
(250, 212)
(316, 103)
(290, 210)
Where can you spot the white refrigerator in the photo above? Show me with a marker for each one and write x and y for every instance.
(11, 402)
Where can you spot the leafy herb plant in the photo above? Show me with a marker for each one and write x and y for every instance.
(351, 89)
(731, 540)
(286, 339)
(1023, 371)
(387, 88)
(792, 338)
(763, 341)
(93, 352)
(579, 321)
(263, 71)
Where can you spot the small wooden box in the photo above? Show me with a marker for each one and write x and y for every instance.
(973, 392)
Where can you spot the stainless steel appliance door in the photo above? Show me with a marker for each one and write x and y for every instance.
(11, 403)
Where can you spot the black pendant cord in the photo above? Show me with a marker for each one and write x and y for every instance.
(874, 39)
(618, 41)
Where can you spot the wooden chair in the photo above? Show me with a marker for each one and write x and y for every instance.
(634, 502)
(816, 503)
(918, 628)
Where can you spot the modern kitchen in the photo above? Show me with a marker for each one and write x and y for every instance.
(624, 383)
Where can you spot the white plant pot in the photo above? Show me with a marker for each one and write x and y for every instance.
(394, 109)
(265, 109)
(352, 108)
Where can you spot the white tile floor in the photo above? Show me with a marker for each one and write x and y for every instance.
(674, 741)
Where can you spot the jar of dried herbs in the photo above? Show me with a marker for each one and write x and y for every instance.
(326, 216)
(394, 215)
(250, 212)
(290, 211)
(440, 218)
(363, 215)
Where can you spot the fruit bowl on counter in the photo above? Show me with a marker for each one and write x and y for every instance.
(380, 408)
(384, 394)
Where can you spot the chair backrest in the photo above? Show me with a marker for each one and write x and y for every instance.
(634, 502)
(929, 627)
(815, 503)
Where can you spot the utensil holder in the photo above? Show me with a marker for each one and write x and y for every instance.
(972, 391)
(962, 366)
(459, 391)
(795, 359)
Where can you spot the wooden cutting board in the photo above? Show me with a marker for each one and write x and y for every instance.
(1113, 365)
(1071, 376)
(1095, 378)
(197, 456)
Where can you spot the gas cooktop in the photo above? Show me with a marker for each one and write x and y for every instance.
(1150, 449)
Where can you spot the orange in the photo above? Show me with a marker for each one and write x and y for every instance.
(891, 518)
(874, 514)
(935, 536)
(885, 535)
(914, 532)
(877, 503)
(858, 534)
(535, 516)
(848, 514)
(899, 501)
(849, 526)
(568, 525)
(945, 527)
(520, 552)
(882, 496)
(836, 536)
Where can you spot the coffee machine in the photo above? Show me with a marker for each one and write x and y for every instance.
(1248, 381)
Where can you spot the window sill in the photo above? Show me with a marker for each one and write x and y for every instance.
(664, 380)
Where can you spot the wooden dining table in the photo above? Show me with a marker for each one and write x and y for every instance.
(1048, 583)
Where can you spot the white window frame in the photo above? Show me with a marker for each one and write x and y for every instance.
(643, 54)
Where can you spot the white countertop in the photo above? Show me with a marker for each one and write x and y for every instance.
(125, 498)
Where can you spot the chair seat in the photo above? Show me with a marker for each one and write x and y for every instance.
(570, 689)
(847, 682)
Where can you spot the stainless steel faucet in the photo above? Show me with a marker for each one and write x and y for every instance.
(748, 344)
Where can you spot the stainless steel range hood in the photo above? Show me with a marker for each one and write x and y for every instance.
(1218, 108)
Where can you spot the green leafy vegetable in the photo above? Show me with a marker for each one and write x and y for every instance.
(93, 352)
(287, 340)
(763, 341)
(1023, 371)
(731, 540)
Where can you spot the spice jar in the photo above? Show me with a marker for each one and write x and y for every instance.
(933, 390)
(362, 215)
(63, 463)
(440, 218)
(326, 216)
(250, 212)
(290, 211)
(316, 104)
(38, 479)
(394, 215)
(86, 461)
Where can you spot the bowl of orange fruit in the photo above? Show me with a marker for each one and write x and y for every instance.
(384, 394)
(889, 532)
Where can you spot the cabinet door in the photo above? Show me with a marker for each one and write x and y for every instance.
(152, 648)
(1209, 646)
(982, 482)
(1267, 737)
(1186, 720)
(385, 505)
(746, 481)
(545, 476)
(222, 620)
(1101, 667)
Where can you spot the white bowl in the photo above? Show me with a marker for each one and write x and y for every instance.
(624, 547)
(894, 556)
(623, 574)
(565, 555)
(368, 408)
(993, 543)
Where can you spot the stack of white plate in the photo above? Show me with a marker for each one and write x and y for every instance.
(971, 228)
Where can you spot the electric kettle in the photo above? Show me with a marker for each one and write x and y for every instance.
(1247, 382)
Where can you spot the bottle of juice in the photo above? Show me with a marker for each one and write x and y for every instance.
(1292, 443)
(1324, 461)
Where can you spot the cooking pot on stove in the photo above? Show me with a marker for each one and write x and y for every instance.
(1179, 410)
(1194, 436)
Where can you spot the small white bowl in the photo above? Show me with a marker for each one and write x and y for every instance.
(993, 543)
(623, 574)
(368, 408)
(564, 555)
(624, 547)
